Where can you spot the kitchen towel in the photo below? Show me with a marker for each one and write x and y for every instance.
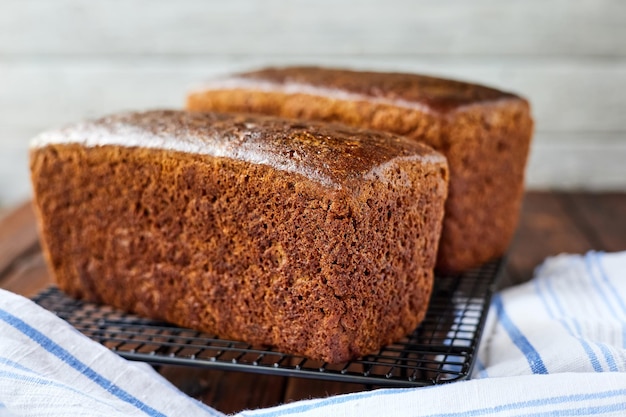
(554, 346)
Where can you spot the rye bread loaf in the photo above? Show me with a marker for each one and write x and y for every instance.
(314, 238)
(484, 133)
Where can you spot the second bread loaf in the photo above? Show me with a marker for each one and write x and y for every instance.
(484, 133)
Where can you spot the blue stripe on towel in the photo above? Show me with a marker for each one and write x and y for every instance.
(517, 337)
(575, 411)
(593, 358)
(13, 364)
(608, 356)
(551, 401)
(42, 381)
(589, 258)
(72, 361)
(301, 408)
(518, 406)
(613, 291)
(597, 284)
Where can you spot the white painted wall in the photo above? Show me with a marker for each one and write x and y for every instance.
(64, 60)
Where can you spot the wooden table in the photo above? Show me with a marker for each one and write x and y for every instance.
(551, 223)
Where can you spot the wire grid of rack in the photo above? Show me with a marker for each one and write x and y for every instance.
(442, 349)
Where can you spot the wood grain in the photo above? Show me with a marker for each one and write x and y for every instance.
(300, 27)
(18, 236)
(601, 217)
(302, 389)
(546, 228)
(236, 391)
(228, 392)
(577, 95)
(28, 276)
(571, 161)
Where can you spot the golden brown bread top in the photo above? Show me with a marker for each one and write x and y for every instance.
(332, 154)
(436, 94)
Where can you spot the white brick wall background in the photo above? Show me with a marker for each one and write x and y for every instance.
(64, 60)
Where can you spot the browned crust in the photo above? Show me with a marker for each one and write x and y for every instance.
(437, 94)
(240, 249)
(484, 133)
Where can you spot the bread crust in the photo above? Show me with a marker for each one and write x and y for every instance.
(485, 134)
(326, 248)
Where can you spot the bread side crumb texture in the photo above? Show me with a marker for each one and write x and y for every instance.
(330, 260)
(484, 133)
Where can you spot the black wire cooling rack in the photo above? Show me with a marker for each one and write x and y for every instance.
(442, 349)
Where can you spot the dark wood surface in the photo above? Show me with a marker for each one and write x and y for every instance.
(550, 223)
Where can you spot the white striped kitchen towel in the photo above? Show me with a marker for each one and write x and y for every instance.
(555, 346)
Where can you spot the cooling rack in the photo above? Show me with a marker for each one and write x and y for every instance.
(442, 349)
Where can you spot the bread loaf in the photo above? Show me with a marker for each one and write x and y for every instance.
(317, 239)
(484, 133)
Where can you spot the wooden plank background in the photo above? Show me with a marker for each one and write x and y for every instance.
(64, 60)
